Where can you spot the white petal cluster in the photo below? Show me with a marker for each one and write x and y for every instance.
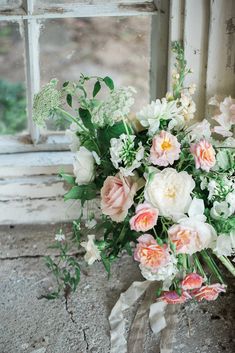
(225, 244)
(124, 154)
(187, 108)
(199, 130)
(151, 115)
(114, 108)
(84, 166)
(92, 251)
(162, 273)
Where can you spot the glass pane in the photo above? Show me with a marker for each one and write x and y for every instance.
(12, 80)
(113, 46)
(10, 5)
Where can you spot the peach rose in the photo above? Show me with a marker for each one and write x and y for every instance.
(191, 236)
(209, 292)
(150, 254)
(183, 238)
(204, 155)
(117, 196)
(192, 281)
(171, 297)
(165, 149)
(145, 218)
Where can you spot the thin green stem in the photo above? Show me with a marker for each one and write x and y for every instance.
(227, 263)
(71, 118)
(212, 265)
(198, 265)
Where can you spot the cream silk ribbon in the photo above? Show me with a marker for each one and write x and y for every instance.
(155, 312)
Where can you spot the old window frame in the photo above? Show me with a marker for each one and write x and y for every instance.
(29, 17)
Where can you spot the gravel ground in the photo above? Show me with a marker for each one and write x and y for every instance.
(31, 324)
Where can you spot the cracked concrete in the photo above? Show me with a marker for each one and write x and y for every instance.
(78, 324)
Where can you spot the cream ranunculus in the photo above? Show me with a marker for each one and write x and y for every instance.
(84, 166)
(169, 192)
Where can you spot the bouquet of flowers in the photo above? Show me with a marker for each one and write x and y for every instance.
(165, 185)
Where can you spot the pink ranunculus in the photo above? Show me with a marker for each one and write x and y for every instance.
(171, 297)
(204, 155)
(192, 281)
(209, 292)
(150, 254)
(165, 149)
(117, 196)
(145, 218)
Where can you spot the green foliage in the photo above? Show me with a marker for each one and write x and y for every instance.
(97, 88)
(86, 119)
(81, 192)
(65, 269)
(12, 108)
(109, 82)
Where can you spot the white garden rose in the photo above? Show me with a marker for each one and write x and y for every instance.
(169, 192)
(92, 252)
(84, 166)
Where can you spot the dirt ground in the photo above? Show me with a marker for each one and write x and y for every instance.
(31, 324)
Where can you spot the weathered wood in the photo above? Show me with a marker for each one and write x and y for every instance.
(196, 28)
(35, 163)
(221, 53)
(159, 50)
(82, 9)
(44, 210)
(23, 143)
(176, 29)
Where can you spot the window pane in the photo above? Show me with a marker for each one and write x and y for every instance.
(10, 4)
(113, 46)
(12, 81)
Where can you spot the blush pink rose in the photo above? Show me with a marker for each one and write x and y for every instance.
(171, 297)
(165, 149)
(145, 218)
(204, 155)
(209, 292)
(117, 196)
(150, 254)
(192, 281)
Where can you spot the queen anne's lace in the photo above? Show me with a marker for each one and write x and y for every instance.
(45, 102)
(115, 108)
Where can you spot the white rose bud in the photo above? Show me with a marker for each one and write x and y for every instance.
(84, 166)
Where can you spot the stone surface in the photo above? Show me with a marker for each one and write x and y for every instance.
(32, 324)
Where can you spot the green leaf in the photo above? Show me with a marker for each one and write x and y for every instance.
(86, 119)
(97, 88)
(109, 82)
(69, 99)
(105, 134)
(70, 179)
(81, 192)
(65, 84)
(106, 263)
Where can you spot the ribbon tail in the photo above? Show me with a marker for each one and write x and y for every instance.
(168, 334)
(116, 319)
(139, 326)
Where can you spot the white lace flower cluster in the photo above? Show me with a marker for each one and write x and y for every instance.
(114, 108)
(45, 102)
(124, 155)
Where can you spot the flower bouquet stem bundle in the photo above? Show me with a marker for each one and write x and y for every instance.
(165, 183)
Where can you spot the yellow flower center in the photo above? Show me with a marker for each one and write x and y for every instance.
(166, 145)
(170, 192)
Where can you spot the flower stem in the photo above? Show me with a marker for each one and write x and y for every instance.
(212, 265)
(71, 118)
(227, 263)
